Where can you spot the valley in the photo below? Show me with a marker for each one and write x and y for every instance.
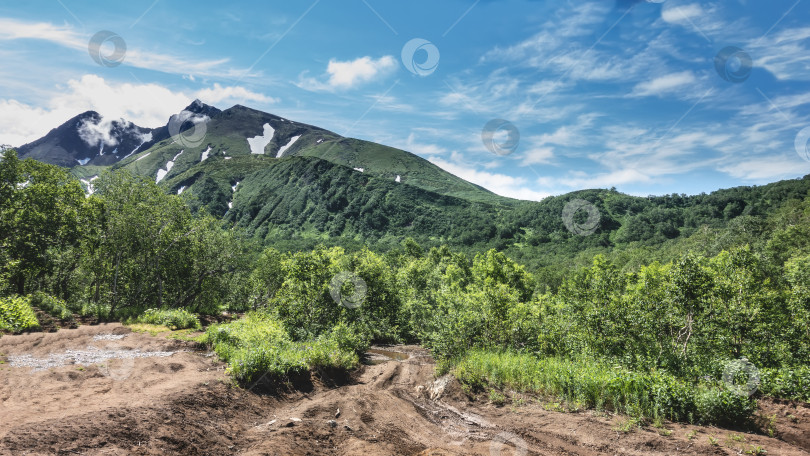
(240, 283)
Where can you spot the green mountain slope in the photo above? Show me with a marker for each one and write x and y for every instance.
(228, 132)
(310, 197)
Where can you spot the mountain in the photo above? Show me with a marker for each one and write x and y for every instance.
(288, 182)
(242, 132)
(278, 178)
(90, 139)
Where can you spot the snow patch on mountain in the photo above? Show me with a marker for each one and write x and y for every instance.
(180, 190)
(398, 179)
(289, 144)
(83, 161)
(163, 172)
(145, 138)
(359, 169)
(258, 143)
(205, 154)
(143, 156)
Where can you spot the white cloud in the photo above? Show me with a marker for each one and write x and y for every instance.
(501, 184)
(784, 54)
(350, 74)
(538, 155)
(767, 168)
(604, 180)
(66, 36)
(704, 20)
(681, 13)
(664, 84)
(422, 149)
(218, 93)
(147, 105)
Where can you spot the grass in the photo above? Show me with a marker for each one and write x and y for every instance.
(150, 329)
(257, 345)
(595, 384)
(173, 319)
(497, 398)
(628, 424)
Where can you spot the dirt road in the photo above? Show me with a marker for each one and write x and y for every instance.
(142, 394)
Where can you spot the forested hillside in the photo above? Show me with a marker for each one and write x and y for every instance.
(660, 309)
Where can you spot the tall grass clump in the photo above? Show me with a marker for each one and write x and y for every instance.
(16, 314)
(596, 384)
(173, 319)
(258, 345)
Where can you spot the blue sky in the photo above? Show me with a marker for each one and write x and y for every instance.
(608, 93)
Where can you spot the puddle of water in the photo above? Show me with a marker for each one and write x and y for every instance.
(389, 354)
(108, 337)
(87, 357)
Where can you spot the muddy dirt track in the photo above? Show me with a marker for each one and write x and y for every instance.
(152, 395)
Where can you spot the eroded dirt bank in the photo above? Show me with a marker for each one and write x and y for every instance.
(173, 398)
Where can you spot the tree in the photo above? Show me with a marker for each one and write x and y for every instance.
(41, 211)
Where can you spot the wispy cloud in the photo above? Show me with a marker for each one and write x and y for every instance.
(666, 84)
(785, 54)
(67, 36)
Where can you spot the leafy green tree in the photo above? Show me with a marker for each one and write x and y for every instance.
(41, 212)
(149, 251)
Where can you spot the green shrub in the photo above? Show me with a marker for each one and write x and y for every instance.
(52, 305)
(16, 314)
(99, 310)
(171, 318)
(257, 345)
(723, 407)
(596, 384)
(786, 383)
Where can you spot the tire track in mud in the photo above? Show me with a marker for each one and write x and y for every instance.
(185, 404)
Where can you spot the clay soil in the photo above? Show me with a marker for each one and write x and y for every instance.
(393, 405)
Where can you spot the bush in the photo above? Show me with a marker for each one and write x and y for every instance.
(52, 305)
(16, 315)
(257, 345)
(99, 310)
(786, 383)
(592, 383)
(173, 319)
(724, 407)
